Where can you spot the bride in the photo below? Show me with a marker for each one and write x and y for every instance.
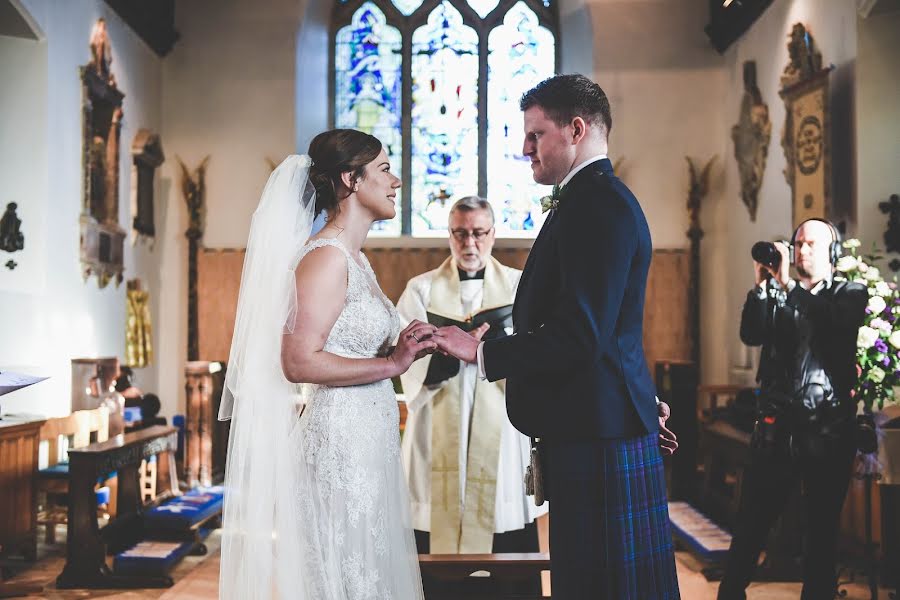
(316, 505)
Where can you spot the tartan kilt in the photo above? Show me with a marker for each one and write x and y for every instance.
(609, 521)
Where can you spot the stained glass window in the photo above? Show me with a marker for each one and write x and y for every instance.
(520, 55)
(483, 7)
(452, 148)
(408, 7)
(444, 117)
(368, 87)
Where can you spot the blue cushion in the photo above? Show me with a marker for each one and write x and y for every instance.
(102, 495)
(187, 510)
(132, 414)
(58, 471)
(150, 558)
(61, 471)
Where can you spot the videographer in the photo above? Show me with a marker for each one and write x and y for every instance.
(806, 420)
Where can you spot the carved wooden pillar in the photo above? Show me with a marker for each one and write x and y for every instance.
(698, 189)
(199, 423)
(193, 186)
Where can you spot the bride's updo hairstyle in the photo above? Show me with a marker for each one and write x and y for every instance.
(334, 152)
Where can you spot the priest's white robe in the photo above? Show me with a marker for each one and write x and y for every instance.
(513, 509)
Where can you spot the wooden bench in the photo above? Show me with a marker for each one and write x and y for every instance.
(449, 576)
(87, 544)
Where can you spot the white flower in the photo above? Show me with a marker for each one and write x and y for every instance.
(894, 340)
(846, 263)
(877, 304)
(872, 274)
(881, 325)
(861, 265)
(852, 243)
(883, 289)
(876, 374)
(861, 280)
(866, 337)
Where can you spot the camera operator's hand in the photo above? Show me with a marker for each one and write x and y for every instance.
(783, 274)
(760, 272)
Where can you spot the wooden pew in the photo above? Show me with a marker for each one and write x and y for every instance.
(448, 576)
(86, 547)
(81, 427)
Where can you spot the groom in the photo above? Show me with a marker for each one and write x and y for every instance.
(575, 371)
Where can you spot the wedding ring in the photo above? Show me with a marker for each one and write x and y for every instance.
(413, 336)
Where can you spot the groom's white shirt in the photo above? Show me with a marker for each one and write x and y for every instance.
(480, 352)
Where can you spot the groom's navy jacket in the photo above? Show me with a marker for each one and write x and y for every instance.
(575, 368)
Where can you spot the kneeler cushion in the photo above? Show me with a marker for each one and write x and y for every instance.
(186, 511)
(150, 557)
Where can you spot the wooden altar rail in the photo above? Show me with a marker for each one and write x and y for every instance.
(86, 544)
(442, 574)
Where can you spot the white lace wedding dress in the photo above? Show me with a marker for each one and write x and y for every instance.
(356, 532)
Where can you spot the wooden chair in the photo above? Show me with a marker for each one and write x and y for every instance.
(61, 434)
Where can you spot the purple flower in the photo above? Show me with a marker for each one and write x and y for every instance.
(880, 345)
(887, 361)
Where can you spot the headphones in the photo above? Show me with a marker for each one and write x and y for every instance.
(834, 249)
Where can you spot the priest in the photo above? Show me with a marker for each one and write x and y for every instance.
(464, 460)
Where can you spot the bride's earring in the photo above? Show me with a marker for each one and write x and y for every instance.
(355, 187)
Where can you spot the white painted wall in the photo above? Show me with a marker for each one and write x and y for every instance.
(228, 92)
(877, 120)
(54, 315)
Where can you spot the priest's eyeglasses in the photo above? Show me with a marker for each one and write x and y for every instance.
(461, 235)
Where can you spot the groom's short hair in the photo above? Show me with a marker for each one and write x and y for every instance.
(564, 97)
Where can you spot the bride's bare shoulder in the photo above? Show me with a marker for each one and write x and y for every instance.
(321, 264)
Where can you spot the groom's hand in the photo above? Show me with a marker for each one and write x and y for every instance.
(668, 443)
(456, 342)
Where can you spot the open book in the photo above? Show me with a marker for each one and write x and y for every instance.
(499, 317)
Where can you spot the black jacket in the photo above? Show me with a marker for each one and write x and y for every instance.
(575, 367)
(807, 339)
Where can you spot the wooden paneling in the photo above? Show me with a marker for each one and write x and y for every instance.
(667, 308)
(18, 465)
(666, 326)
(218, 284)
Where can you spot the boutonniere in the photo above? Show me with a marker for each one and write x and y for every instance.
(552, 201)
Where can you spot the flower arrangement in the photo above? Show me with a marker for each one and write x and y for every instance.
(878, 341)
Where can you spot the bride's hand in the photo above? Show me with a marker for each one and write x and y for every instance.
(413, 343)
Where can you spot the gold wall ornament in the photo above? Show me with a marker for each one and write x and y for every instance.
(806, 137)
(751, 138)
(138, 326)
(805, 60)
(193, 187)
(698, 189)
(102, 238)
